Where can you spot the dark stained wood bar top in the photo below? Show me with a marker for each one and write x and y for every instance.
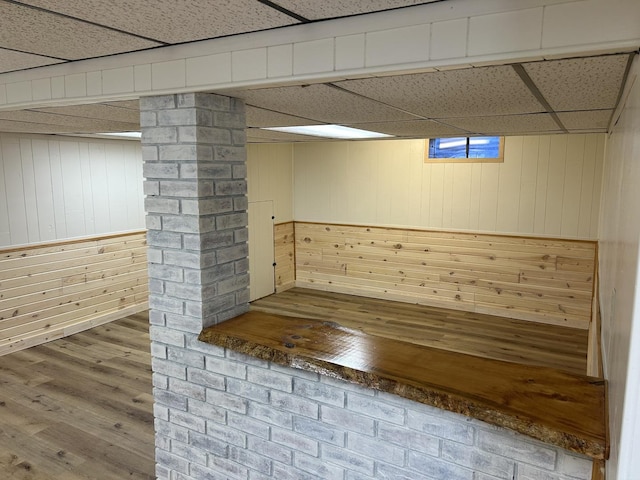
(556, 407)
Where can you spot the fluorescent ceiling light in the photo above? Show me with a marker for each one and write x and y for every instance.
(330, 131)
(122, 134)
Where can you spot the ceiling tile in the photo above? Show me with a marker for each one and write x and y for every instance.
(28, 127)
(97, 111)
(257, 135)
(507, 124)
(322, 103)
(415, 128)
(132, 104)
(580, 83)
(315, 10)
(31, 30)
(10, 60)
(69, 123)
(589, 120)
(174, 22)
(259, 117)
(454, 93)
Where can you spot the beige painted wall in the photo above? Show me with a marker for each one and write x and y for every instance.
(547, 185)
(270, 177)
(620, 284)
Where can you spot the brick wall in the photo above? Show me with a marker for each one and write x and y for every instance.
(221, 414)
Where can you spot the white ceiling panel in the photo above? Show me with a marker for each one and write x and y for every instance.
(322, 103)
(259, 117)
(580, 83)
(132, 104)
(10, 60)
(27, 127)
(507, 124)
(31, 30)
(590, 120)
(97, 111)
(454, 93)
(69, 123)
(415, 128)
(173, 22)
(257, 135)
(316, 10)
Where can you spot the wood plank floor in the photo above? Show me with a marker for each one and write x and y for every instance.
(471, 333)
(79, 408)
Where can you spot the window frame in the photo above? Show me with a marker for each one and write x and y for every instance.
(498, 159)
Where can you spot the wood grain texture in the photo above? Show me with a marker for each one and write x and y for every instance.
(538, 279)
(556, 407)
(80, 408)
(48, 291)
(285, 259)
(487, 336)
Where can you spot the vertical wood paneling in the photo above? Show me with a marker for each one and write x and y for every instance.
(597, 188)
(436, 195)
(461, 197)
(540, 215)
(87, 189)
(572, 185)
(528, 183)
(509, 186)
(5, 231)
(587, 186)
(555, 184)
(58, 189)
(72, 188)
(474, 198)
(29, 185)
(270, 177)
(100, 190)
(542, 180)
(14, 190)
(489, 197)
(44, 190)
(115, 175)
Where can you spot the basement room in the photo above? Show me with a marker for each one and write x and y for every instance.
(319, 240)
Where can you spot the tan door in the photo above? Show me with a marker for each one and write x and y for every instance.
(261, 250)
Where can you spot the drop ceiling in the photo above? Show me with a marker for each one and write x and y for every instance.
(551, 96)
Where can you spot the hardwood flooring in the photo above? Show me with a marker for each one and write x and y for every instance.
(79, 408)
(482, 335)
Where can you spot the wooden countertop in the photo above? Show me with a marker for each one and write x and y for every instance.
(559, 408)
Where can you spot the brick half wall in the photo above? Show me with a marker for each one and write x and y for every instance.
(221, 414)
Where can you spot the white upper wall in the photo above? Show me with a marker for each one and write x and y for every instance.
(548, 186)
(451, 34)
(55, 188)
(270, 177)
(619, 258)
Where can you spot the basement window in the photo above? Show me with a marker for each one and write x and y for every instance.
(465, 149)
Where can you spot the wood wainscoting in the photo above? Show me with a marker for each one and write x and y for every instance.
(285, 258)
(54, 290)
(538, 279)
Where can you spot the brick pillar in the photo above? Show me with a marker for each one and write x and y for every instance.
(193, 146)
(194, 153)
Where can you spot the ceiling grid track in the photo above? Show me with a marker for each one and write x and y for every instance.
(524, 76)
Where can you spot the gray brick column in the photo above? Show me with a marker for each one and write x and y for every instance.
(194, 153)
